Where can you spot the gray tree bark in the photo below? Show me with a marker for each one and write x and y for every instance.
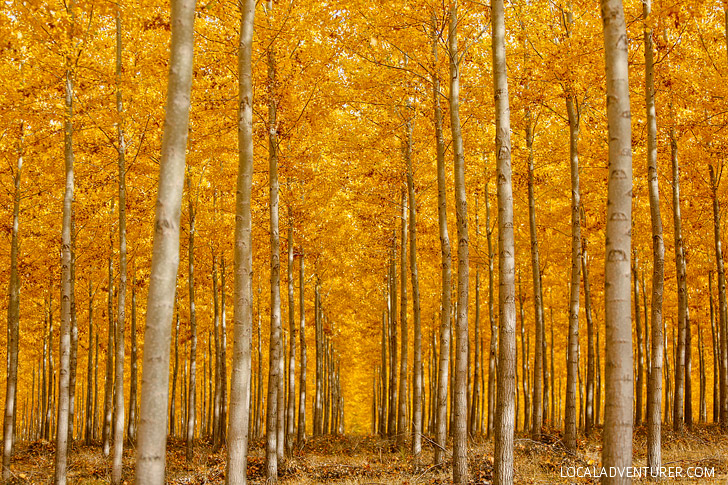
(237, 449)
(291, 406)
(301, 436)
(404, 341)
(504, 420)
(165, 253)
(619, 392)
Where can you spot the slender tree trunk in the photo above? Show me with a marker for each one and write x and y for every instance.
(703, 412)
(446, 260)
(716, 352)
(589, 411)
(223, 353)
(688, 371)
(460, 434)
(237, 449)
(617, 438)
(64, 344)
(404, 342)
(493, 348)
(524, 360)
(191, 420)
(418, 378)
(274, 368)
(131, 427)
(165, 253)
(301, 436)
(572, 369)
(598, 378)
(679, 401)
(217, 400)
(537, 415)
(109, 377)
(383, 372)
(175, 371)
(90, 421)
(503, 454)
(638, 328)
(116, 467)
(475, 398)
(96, 387)
(291, 408)
(11, 385)
(73, 358)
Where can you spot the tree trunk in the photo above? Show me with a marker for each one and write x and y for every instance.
(131, 427)
(446, 260)
(274, 367)
(716, 352)
(723, 306)
(679, 401)
(237, 449)
(175, 371)
(589, 411)
(301, 436)
(13, 323)
(116, 466)
(493, 348)
(688, 371)
(291, 408)
(73, 358)
(418, 378)
(524, 361)
(703, 412)
(403, 359)
(503, 454)
(572, 369)
(619, 392)
(223, 353)
(217, 399)
(475, 397)
(638, 328)
(64, 344)
(192, 386)
(460, 433)
(165, 253)
(109, 377)
(90, 399)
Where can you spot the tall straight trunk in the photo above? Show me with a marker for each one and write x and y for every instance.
(259, 376)
(109, 376)
(152, 436)
(133, 390)
(121, 299)
(475, 397)
(393, 363)
(537, 414)
(404, 341)
(223, 354)
(549, 375)
(318, 402)
(417, 377)
(217, 399)
(237, 449)
(460, 434)
(11, 385)
(688, 371)
(679, 403)
(175, 372)
(572, 368)
(89, 431)
(638, 328)
(666, 377)
(703, 410)
(524, 361)
(589, 410)
(301, 435)
(715, 339)
(446, 261)
(722, 304)
(504, 429)
(191, 421)
(73, 357)
(493, 348)
(619, 392)
(291, 409)
(598, 383)
(274, 367)
(95, 428)
(383, 372)
(64, 343)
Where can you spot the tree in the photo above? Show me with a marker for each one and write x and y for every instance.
(118, 453)
(722, 304)
(165, 253)
(237, 450)
(13, 322)
(504, 414)
(619, 392)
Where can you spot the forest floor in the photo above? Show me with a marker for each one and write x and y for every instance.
(370, 460)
